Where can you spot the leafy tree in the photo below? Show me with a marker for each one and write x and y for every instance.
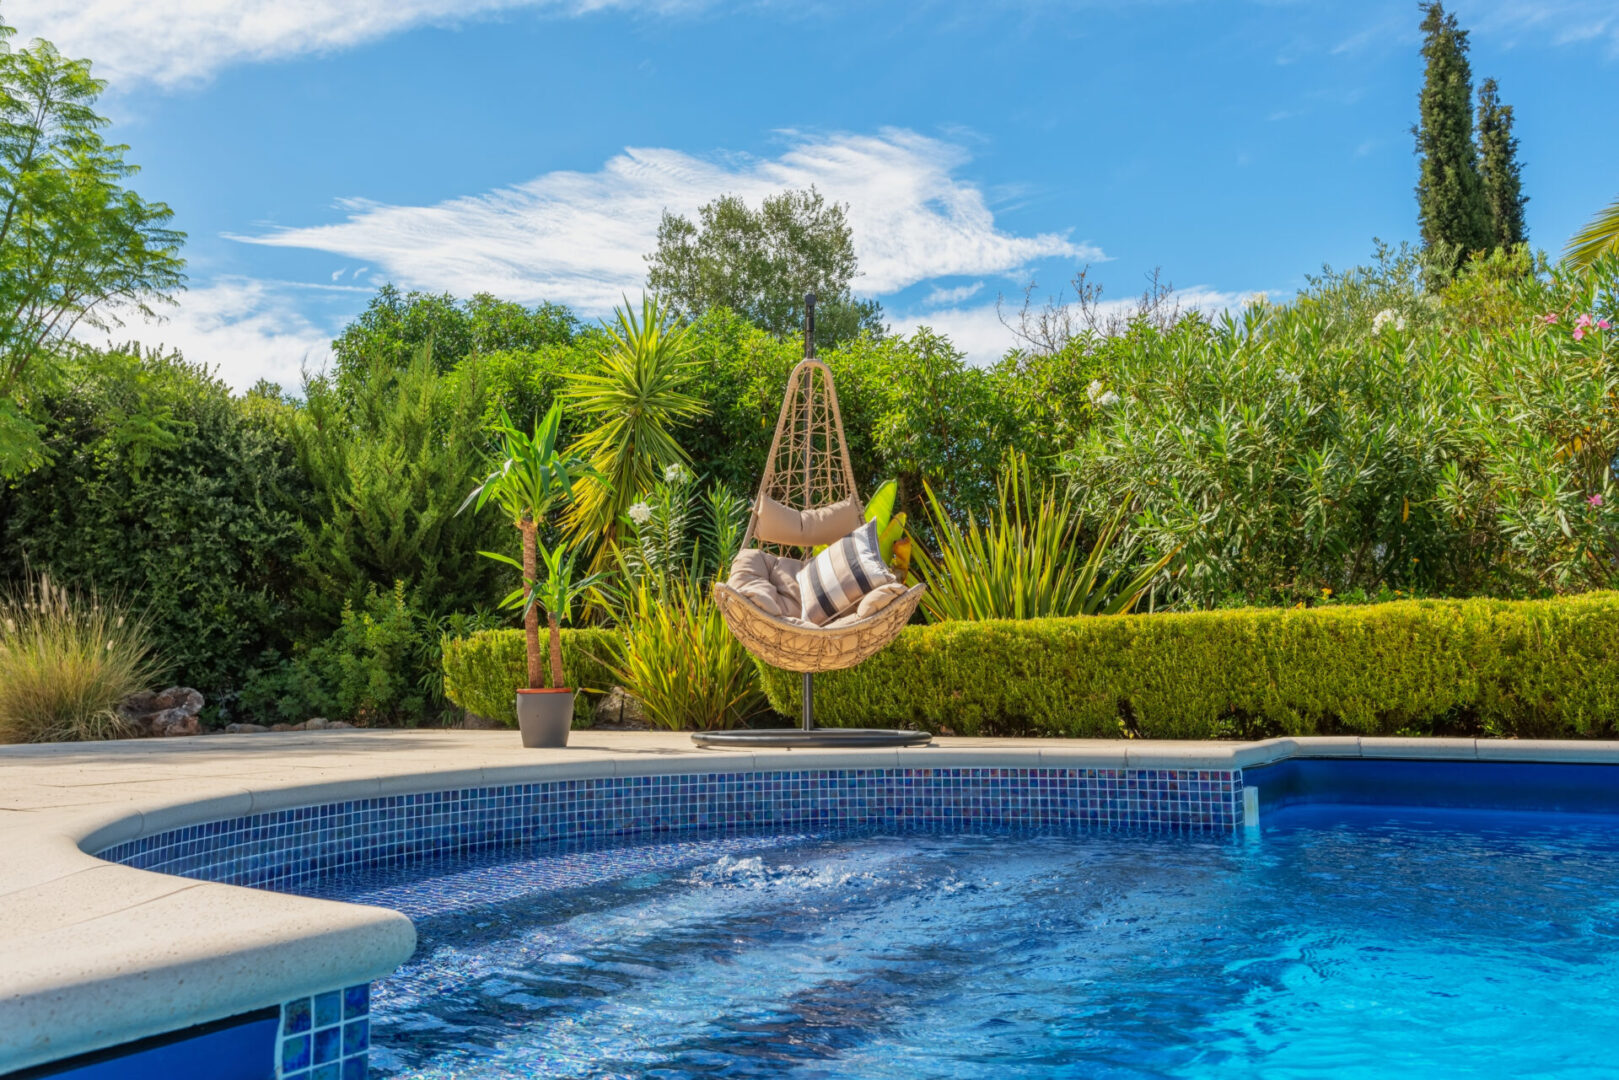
(1451, 206)
(1599, 237)
(75, 244)
(395, 326)
(1498, 168)
(162, 487)
(762, 263)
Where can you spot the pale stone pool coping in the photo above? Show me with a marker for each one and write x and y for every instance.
(94, 954)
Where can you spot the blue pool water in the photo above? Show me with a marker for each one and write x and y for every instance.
(1343, 941)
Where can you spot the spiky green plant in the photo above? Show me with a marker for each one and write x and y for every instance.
(1599, 237)
(633, 402)
(679, 659)
(67, 658)
(554, 593)
(1025, 562)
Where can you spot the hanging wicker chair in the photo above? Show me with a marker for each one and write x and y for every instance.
(808, 469)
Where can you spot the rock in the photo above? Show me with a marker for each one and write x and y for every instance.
(474, 722)
(166, 713)
(335, 724)
(242, 729)
(316, 723)
(621, 710)
(282, 727)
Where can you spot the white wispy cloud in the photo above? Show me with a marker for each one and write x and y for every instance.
(580, 238)
(245, 328)
(173, 42)
(939, 295)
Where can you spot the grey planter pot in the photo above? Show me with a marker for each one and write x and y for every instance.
(544, 717)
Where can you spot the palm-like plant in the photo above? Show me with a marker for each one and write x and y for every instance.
(532, 479)
(1599, 237)
(634, 401)
(554, 594)
(1023, 562)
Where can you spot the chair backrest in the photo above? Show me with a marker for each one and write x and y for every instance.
(808, 467)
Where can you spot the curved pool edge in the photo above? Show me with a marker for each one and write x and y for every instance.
(98, 955)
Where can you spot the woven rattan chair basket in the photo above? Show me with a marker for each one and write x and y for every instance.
(808, 467)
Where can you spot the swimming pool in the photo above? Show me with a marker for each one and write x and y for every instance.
(1357, 933)
(125, 964)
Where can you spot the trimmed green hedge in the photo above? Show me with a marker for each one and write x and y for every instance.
(1537, 668)
(483, 671)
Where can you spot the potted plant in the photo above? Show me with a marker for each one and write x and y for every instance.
(531, 480)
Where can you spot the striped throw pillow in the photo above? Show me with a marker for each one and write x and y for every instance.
(836, 579)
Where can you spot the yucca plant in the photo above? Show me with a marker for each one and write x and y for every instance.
(1025, 561)
(532, 478)
(67, 658)
(679, 659)
(631, 404)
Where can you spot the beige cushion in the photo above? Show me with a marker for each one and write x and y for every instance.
(869, 605)
(780, 524)
(751, 575)
(838, 578)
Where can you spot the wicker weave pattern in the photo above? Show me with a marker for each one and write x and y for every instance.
(793, 647)
(809, 467)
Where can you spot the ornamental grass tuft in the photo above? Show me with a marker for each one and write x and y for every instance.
(67, 658)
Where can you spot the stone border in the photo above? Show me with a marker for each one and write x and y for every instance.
(97, 955)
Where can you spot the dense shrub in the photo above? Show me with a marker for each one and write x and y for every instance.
(165, 488)
(1539, 668)
(483, 671)
(1465, 448)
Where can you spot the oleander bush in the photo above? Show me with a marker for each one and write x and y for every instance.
(483, 670)
(1534, 669)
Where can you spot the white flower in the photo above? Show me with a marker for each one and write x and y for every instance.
(675, 474)
(1094, 390)
(640, 513)
(1384, 318)
(1289, 377)
(1109, 398)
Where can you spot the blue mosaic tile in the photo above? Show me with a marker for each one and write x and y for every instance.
(355, 1068)
(294, 1054)
(333, 1071)
(328, 1045)
(356, 1037)
(328, 1009)
(356, 1001)
(295, 1017)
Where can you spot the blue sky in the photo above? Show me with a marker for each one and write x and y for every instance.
(314, 151)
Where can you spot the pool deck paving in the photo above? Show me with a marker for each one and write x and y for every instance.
(94, 954)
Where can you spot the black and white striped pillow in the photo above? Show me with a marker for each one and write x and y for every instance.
(836, 579)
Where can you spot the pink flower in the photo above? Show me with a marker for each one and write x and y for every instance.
(1579, 332)
(1583, 321)
(1551, 319)
(1603, 324)
(1595, 500)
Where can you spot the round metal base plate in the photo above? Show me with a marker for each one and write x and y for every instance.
(818, 737)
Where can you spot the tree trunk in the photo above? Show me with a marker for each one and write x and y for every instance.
(531, 618)
(556, 650)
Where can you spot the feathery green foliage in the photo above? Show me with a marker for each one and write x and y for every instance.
(1528, 669)
(1026, 560)
(631, 404)
(1597, 238)
(67, 659)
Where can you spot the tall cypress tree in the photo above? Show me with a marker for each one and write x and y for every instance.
(1450, 194)
(1498, 167)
